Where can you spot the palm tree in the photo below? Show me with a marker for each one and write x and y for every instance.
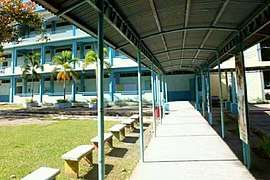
(65, 72)
(30, 68)
(91, 57)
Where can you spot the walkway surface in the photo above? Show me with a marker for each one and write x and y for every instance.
(186, 147)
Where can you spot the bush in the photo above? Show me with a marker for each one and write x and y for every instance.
(264, 146)
(93, 101)
(62, 101)
(120, 103)
(29, 100)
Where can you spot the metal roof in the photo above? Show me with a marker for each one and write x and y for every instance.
(174, 35)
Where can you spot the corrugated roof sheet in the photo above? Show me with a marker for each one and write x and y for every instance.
(139, 15)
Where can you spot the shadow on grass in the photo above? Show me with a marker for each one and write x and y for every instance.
(118, 152)
(93, 173)
(137, 130)
(130, 139)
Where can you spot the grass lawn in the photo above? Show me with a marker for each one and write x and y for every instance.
(10, 106)
(24, 148)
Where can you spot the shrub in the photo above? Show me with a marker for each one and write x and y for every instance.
(120, 103)
(93, 101)
(29, 100)
(264, 146)
(62, 101)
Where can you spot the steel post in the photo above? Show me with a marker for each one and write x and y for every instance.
(140, 105)
(100, 93)
(221, 102)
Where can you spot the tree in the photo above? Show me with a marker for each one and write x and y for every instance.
(17, 13)
(65, 72)
(30, 68)
(91, 57)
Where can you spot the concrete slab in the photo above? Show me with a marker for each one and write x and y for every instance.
(186, 147)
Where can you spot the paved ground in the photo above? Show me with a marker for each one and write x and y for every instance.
(186, 147)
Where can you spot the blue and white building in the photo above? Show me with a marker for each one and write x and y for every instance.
(121, 83)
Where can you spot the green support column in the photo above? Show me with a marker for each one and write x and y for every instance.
(74, 55)
(12, 89)
(14, 59)
(163, 95)
(159, 97)
(153, 100)
(100, 93)
(233, 93)
(140, 105)
(41, 82)
(243, 118)
(203, 93)
(166, 90)
(41, 89)
(112, 86)
(197, 92)
(227, 103)
(221, 102)
(209, 97)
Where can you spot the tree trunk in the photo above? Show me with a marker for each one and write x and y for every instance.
(32, 89)
(96, 79)
(64, 89)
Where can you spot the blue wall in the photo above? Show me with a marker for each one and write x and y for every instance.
(179, 95)
(4, 98)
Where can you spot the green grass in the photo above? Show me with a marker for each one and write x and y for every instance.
(27, 147)
(10, 106)
(264, 146)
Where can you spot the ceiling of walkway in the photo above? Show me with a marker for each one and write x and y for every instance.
(174, 35)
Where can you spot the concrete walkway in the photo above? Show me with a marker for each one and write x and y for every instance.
(186, 147)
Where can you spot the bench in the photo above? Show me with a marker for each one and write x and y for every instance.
(129, 123)
(108, 138)
(43, 173)
(135, 116)
(73, 157)
(118, 131)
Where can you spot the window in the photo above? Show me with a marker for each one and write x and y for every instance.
(5, 64)
(19, 89)
(63, 49)
(266, 77)
(265, 50)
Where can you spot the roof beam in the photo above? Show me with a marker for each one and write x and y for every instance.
(184, 59)
(154, 11)
(69, 8)
(217, 18)
(188, 29)
(177, 64)
(174, 68)
(186, 49)
(253, 25)
(188, 2)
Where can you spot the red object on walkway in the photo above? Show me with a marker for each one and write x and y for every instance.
(157, 113)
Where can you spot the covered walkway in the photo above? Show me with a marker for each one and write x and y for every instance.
(186, 147)
(177, 36)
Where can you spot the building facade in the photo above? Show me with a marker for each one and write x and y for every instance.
(257, 62)
(120, 82)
